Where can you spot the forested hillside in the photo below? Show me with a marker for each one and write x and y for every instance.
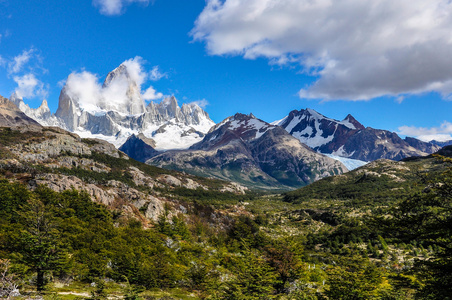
(379, 232)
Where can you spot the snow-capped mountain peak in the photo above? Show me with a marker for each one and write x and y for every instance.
(116, 110)
(352, 123)
(349, 138)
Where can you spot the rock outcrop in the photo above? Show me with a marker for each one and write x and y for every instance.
(139, 147)
(11, 116)
(63, 161)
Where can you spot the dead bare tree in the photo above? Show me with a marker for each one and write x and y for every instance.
(8, 283)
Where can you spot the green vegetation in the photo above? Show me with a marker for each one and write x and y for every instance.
(380, 232)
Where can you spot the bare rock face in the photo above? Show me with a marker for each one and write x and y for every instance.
(11, 116)
(139, 147)
(60, 183)
(155, 209)
(118, 111)
(254, 153)
(349, 138)
(170, 180)
(63, 161)
(42, 112)
(134, 105)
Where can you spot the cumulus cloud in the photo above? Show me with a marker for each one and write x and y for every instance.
(28, 86)
(121, 91)
(151, 94)
(201, 103)
(115, 7)
(442, 133)
(356, 49)
(18, 62)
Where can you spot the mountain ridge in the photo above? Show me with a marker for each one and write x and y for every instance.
(250, 151)
(117, 110)
(349, 138)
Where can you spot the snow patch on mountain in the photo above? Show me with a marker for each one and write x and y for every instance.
(279, 122)
(116, 110)
(244, 123)
(351, 164)
(317, 116)
(294, 123)
(348, 124)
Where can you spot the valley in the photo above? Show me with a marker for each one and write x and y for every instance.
(80, 219)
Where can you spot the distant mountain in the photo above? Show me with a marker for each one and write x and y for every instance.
(139, 147)
(11, 116)
(441, 144)
(118, 111)
(252, 152)
(349, 138)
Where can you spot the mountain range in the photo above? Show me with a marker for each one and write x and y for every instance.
(245, 149)
(297, 150)
(349, 138)
(118, 111)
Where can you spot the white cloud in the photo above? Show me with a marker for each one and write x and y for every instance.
(19, 61)
(117, 93)
(136, 70)
(155, 74)
(201, 103)
(357, 49)
(441, 133)
(28, 86)
(85, 87)
(25, 69)
(115, 7)
(151, 94)
(61, 83)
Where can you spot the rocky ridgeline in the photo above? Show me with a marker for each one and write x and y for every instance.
(11, 116)
(349, 138)
(254, 153)
(63, 161)
(118, 111)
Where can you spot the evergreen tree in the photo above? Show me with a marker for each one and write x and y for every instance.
(427, 217)
(41, 250)
(253, 279)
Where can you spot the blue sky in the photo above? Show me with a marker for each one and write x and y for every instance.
(385, 62)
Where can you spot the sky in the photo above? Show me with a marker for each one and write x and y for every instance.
(386, 62)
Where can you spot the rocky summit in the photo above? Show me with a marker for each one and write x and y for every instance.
(139, 147)
(349, 138)
(11, 116)
(117, 111)
(245, 149)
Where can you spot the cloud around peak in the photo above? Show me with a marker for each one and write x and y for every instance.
(122, 86)
(357, 49)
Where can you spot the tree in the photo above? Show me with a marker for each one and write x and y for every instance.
(427, 217)
(359, 279)
(8, 281)
(40, 251)
(254, 279)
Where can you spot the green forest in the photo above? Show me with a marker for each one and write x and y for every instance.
(365, 237)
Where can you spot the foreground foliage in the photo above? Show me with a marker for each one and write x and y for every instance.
(361, 241)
